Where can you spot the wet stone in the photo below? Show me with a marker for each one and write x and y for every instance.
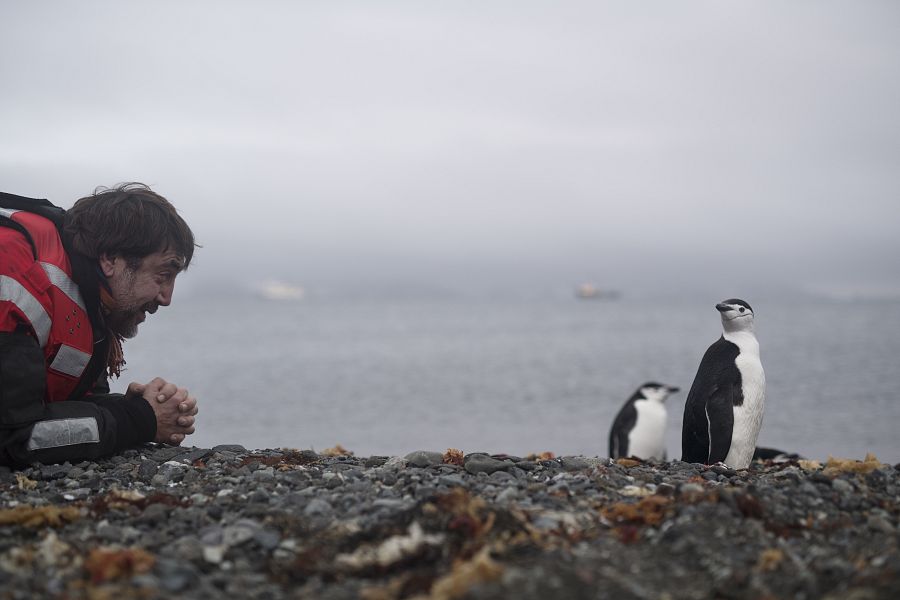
(175, 576)
(232, 448)
(375, 461)
(424, 458)
(166, 454)
(147, 469)
(53, 472)
(481, 463)
(575, 463)
(194, 455)
(842, 485)
(317, 506)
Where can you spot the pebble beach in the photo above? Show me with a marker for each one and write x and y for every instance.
(187, 522)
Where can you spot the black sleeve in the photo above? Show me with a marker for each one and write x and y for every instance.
(135, 419)
(60, 431)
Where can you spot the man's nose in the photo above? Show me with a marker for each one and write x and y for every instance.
(164, 298)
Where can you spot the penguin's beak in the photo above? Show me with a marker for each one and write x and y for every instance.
(721, 307)
(673, 389)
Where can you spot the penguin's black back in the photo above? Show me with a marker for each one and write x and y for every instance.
(716, 391)
(622, 426)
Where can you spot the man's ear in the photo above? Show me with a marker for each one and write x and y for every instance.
(108, 264)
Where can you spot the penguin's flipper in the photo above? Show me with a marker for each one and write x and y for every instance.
(622, 426)
(694, 430)
(720, 422)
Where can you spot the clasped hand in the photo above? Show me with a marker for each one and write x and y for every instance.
(173, 406)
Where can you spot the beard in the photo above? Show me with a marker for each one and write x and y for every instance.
(124, 323)
(123, 319)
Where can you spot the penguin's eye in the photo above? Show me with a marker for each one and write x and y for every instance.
(741, 309)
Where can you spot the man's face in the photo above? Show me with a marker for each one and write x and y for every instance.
(139, 291)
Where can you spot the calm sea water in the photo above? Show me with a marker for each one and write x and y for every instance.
(386, 377)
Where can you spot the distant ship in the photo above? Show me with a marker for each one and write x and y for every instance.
(278, 290)
(588, 291)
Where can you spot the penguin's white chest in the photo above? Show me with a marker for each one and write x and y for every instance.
(748, 416)
(648, 437)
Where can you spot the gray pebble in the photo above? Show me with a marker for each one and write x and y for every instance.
(842, 485)
(480, 463)
(423, 458)
(317, 506)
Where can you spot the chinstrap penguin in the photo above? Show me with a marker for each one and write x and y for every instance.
(639, 429)
(724, 408)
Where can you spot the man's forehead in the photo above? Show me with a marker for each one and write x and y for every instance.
(166, 258)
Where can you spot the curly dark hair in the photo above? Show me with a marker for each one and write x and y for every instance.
(129, 220)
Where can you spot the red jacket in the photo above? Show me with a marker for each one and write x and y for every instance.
(42, 295)
(53, 347)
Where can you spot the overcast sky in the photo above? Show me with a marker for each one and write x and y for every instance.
(730, 146)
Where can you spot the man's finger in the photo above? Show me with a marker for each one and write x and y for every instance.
(152, 389)
(166, 392)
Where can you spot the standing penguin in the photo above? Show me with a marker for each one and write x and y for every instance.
(640, 427)
(724, 408)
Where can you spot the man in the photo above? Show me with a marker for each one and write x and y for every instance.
(73, 285)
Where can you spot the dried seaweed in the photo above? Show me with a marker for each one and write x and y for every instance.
(108, 564)
(123, 499)
(464, 575)
(647, 511)
(39, 516)
(454, 457)
(836, 466)
(337, 450)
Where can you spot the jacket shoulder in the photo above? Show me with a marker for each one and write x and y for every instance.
(44, 235)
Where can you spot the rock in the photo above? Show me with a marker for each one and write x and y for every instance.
(53, 472)
(233, 448)
(147, 469)
(155, 513)
(482, 463)
(317, 506)
(665, 489)
(424, 458)
(395, 462)
(194, 455)
(842, 485)
(175, 576)
(263, 475)
(167, 453)
(507, 495)
(390, 503)
(880, 523)
(575, 463)
(268, 539)
(503, 477)
(242, 531)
